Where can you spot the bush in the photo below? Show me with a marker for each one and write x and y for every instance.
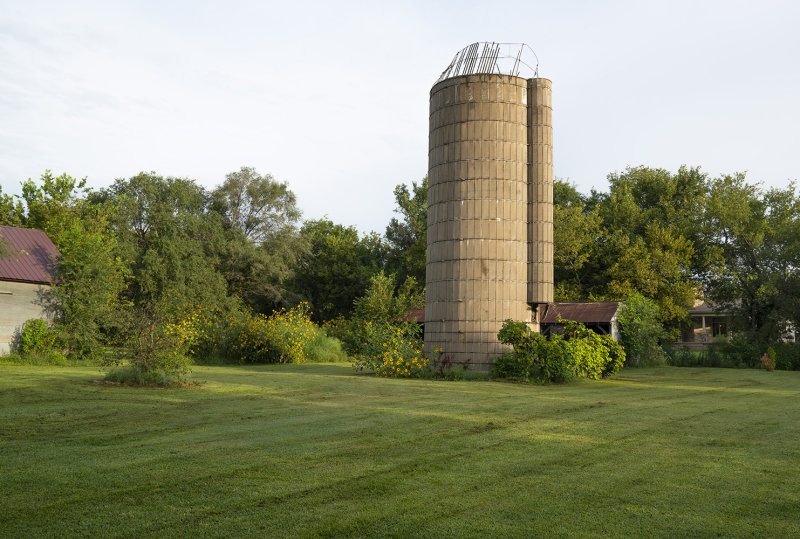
(36, 340)
(240, 336)
(391, 351)
(787, 356)
(738, 352)
(578, 353)
(325, 349)
(641, 332)
(152, 351)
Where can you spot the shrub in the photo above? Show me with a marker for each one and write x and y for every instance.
(151, 349)
(787, 356)
(36, 340)
(738, 352)
(578, 353)
(641, 332)
(240, 336)
(767, 362)
(391, 351)
(325, 349)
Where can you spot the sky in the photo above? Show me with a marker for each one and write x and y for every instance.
(332, 97)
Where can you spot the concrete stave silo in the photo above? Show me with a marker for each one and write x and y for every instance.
(489, 205)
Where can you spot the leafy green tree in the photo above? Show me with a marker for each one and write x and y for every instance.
(642, 196)
(566, 195)
(648, 225)
(172, 242)
(337, 268)
(264, 245)
(88, 275)
(655, 265)
(12, 213)
(577, 237)
(407, 237)
(752, 235)
(259, 207)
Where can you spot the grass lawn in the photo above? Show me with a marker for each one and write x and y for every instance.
(316, 450)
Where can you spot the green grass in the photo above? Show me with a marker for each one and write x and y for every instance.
(315, 450)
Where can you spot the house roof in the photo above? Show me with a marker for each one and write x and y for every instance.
(597, 312)
(31, 255)
(709, 307)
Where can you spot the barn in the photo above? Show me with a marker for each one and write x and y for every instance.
(26, 271)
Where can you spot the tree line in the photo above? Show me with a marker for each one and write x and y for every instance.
(673, 237)
(669, 237)
(127, 248)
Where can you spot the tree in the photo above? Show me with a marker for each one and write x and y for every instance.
(407, 238)
(754, 240)
(258, 206)
(88, 274)
(641, 196)
(337, 268)
(12, 212)
(172, 242)
(655, 265)
(650, 220)
(264, 245)
(577, 235)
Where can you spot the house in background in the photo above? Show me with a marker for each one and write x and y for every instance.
(599, 316)
(708, 321)
(25, 273)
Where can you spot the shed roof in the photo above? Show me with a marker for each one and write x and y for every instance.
(31, 255)
(414, 314)
(596, 312)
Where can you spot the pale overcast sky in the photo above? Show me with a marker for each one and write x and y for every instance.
(332, 97)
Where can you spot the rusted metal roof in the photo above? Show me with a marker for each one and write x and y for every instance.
(596, 312)
(31, 255)
(415, 314)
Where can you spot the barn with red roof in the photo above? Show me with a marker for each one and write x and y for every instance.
(27, 263)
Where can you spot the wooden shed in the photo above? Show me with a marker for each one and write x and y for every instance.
(599, 316)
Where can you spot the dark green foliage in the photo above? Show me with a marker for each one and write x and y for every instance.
(171, 241)
(337, 269)
(578, 353)
(754, 236)
(641, 333)
(407, 238)
(149, 351)
(738, 352)
(89, 274)
(787, 356)
(37, 339)
(263, 244)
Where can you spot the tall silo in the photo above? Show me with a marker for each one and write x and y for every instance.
(490, 192)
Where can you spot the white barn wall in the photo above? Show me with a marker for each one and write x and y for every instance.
(19, 302)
